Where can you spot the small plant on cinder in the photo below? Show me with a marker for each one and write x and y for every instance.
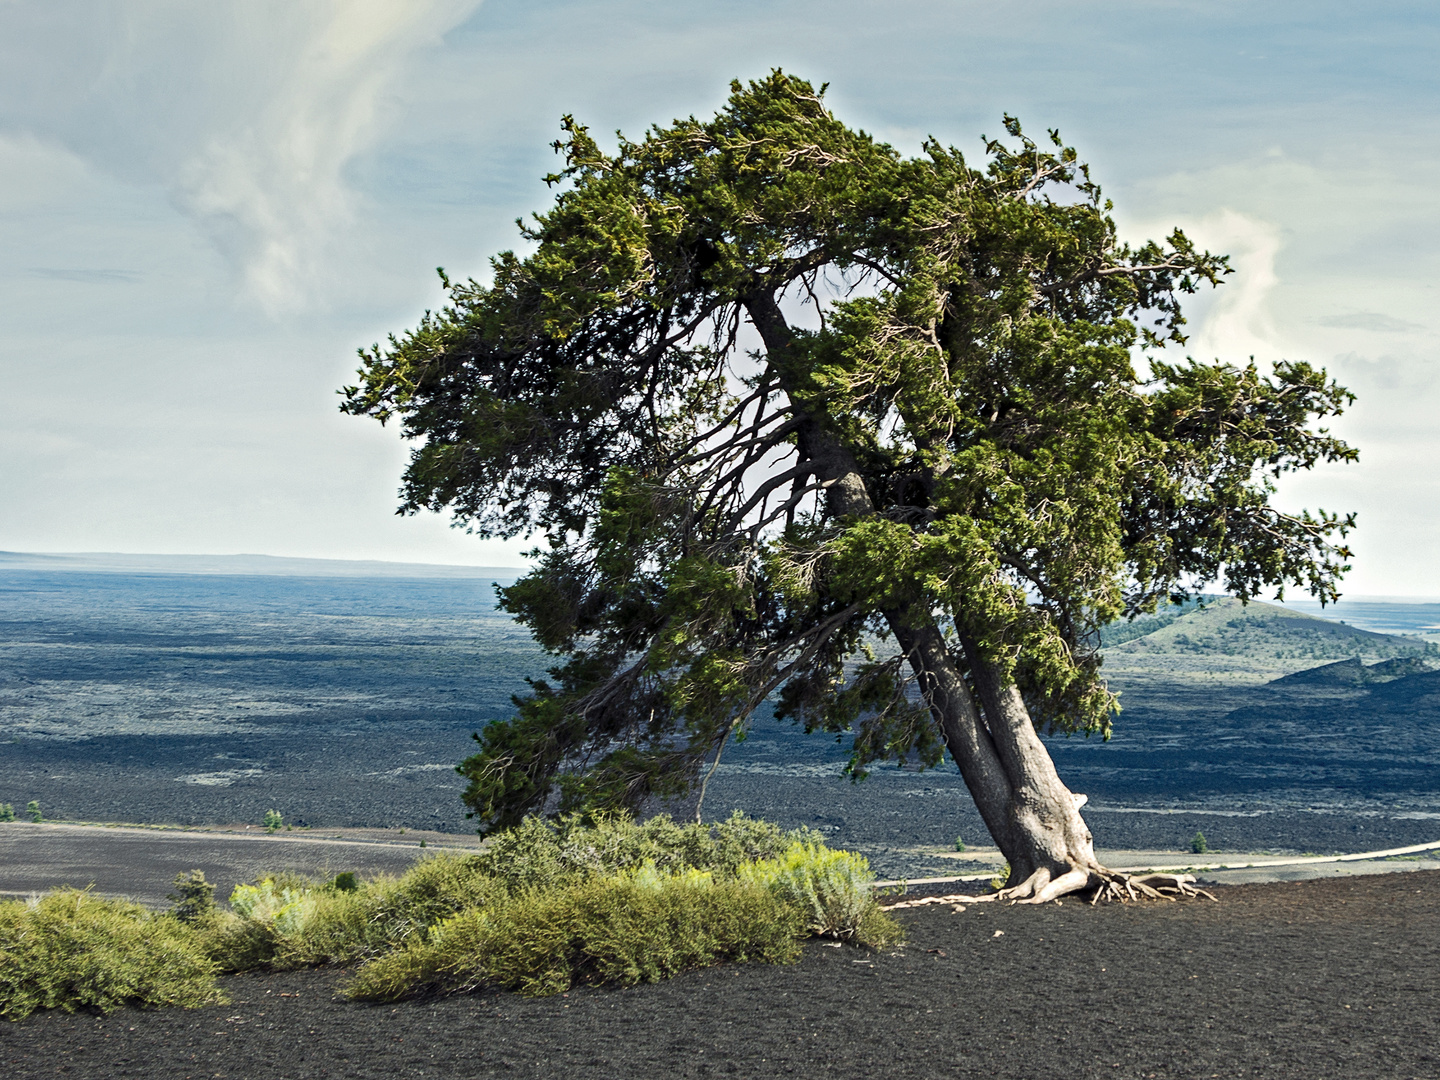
(959, 844)
(33, 809)
(194, 897)
(273, 820)
(346, 882)
(7, 812)
(1198, 845)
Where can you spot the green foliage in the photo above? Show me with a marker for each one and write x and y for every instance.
(7, 812)
(318, 925)
(345, 882)
(33, 809)
(289, 922)
(72, 950)
(959, 844)
(831, 889)
(285, 906)
(387, 913)
(194, 897)
(273, 820)
(1016, 483)
(1198, 845)
(561, 903)
(540, 853)
(626, 930)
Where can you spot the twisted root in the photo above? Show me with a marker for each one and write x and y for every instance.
(1113, 886)
(1101, 884)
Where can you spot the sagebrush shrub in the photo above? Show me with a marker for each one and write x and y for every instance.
(551, 903)
(285, 906)
(625, 929)
(385, 914)
(538, 853)
(70, 950)
(831, 889)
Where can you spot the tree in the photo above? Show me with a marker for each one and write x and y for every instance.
(906, 518)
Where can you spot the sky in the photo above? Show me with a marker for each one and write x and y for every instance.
(206, 208)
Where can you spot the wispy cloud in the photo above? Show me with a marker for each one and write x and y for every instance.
(1239, 322)
(270, 185)
(247, 112)
(84, 276)
(1369, 320)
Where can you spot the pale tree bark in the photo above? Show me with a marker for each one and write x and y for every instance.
(1033, 817)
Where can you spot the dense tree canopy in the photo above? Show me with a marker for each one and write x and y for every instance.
(801, 418)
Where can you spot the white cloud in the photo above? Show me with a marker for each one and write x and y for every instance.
(270, 183)
(1239, 322)
(246, 111)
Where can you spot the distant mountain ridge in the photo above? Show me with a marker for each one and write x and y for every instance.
(248, 565)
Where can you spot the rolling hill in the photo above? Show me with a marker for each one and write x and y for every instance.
(1261, 632)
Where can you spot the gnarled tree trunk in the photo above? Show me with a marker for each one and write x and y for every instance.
(1032, 816)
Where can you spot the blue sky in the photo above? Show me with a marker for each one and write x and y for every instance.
(206, 207)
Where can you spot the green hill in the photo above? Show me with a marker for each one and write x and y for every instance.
(1265, 632)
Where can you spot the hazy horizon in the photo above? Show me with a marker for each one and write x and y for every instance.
(206, 209)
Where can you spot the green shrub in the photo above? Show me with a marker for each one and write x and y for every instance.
(1198, 846)
(273, 820)
(7, 812)
(33, 809)
(959, 844)
(406, 928)
(236, 944)
(285, 906)
(390, 912)
(639, 927)
(287, 921)
(70, 950)
(831, 890)
(194, 897)
(538, 853)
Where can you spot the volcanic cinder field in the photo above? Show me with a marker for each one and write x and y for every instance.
(210, 698)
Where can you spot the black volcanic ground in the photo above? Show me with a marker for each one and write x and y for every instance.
(194, 699)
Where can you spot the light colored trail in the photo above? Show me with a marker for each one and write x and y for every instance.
(141, 863)
(1255, 862)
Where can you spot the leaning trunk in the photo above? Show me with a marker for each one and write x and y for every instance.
(1051, 851)
(1032, 816)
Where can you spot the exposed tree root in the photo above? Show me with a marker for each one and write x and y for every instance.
(1102, 884)
(1094, 884)
(1113, 886)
